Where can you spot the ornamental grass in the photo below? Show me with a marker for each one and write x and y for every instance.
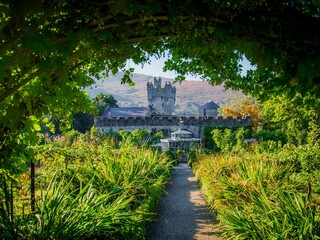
(86, 190)
(263, 195)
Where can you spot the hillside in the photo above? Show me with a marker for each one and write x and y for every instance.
(190, 94)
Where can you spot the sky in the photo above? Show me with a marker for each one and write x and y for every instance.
(156, 65)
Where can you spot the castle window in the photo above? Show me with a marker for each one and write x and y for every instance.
(162, 105)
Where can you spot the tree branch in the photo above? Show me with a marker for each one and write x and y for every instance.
(28, 79)
(100, 20)
(132, 21)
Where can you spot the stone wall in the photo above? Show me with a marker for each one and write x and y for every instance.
(167, 124)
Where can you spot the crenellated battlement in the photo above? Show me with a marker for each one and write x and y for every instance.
(172, 120)
(155, 90)
(168, 123)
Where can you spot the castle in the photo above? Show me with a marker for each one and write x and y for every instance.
(158, 116)
(161, 100)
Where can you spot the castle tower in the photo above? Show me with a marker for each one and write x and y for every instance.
(161, 100)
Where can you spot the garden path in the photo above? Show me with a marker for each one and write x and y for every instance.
(183, 213)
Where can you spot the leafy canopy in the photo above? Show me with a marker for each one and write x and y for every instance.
(50, 49)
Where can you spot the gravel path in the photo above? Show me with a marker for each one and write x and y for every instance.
(183, 213)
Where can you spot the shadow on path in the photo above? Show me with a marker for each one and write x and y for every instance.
(183, 213)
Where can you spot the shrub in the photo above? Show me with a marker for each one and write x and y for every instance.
(228, 140)
(267, 135)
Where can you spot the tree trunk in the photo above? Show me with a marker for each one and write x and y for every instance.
(32, 187)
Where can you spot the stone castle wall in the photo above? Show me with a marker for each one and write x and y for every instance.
(167, 124)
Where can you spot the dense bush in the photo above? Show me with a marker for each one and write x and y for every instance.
(228, 140)
(210, 144)
(268, 135)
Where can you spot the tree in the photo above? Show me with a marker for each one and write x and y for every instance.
(244, 106)
(83, 121)
(49, 50)
(102, 101)
(297, 117)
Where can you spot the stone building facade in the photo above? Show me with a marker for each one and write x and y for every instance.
(161, 99)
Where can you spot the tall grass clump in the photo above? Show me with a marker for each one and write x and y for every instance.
(85, 214)
(263, 194)
(87, 189)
